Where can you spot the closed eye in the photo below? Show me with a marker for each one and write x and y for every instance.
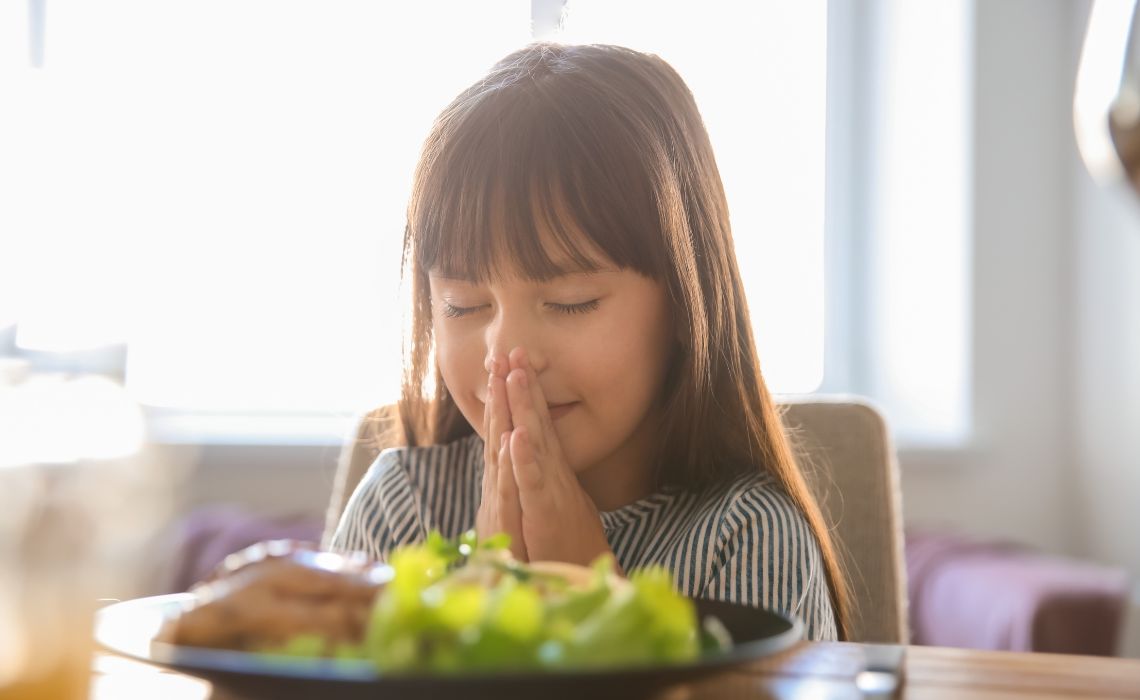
(584, 307)
(451, 311)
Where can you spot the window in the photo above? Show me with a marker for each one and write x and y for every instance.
(899, 327)
(759, 74)
(222, 184)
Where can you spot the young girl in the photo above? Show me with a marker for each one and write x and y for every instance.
(578, 308)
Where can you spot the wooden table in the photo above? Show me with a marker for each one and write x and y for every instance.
(810, 671)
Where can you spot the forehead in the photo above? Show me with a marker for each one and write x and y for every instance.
(545, 250)
(508, 271)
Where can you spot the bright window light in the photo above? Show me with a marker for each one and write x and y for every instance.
(222, 183)
(918, 268)
(758, 71)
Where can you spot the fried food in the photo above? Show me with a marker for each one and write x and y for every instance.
(273, 592)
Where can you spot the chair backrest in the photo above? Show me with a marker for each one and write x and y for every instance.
(846, 452)
(355, 457)
(850, 464)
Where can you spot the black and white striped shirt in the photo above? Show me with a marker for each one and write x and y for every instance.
(744, 541)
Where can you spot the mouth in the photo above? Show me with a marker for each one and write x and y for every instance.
(558, 410)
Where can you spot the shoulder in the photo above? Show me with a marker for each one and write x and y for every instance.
(417, 466)
(462, 457)
(759, 500)
(444, 484)
(402, 495)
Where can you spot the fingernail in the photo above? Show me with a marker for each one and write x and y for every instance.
(522, 379)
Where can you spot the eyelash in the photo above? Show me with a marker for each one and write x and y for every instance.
(458, 311)
(569, 309)
(584, 307)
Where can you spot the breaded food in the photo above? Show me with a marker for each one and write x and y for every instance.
(272, 592)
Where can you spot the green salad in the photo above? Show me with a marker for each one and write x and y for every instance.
(463, 606)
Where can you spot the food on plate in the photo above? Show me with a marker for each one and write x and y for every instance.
(273, 592)
(446, 606)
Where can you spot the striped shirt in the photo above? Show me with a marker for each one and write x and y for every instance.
(745, 541)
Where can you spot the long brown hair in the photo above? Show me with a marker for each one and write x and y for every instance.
(606, 141)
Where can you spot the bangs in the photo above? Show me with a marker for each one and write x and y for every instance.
(536, 183)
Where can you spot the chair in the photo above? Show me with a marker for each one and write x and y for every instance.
(850, 464)
(849, 460)
(356, 456)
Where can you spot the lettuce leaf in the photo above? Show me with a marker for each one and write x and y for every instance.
(466, 606)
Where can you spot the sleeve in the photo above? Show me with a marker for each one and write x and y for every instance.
(381, 514)
(767, 556)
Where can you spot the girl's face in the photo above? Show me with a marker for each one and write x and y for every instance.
(599, 343)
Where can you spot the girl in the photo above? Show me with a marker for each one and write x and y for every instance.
(579, 313)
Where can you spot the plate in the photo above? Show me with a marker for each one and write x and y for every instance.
(128, 629)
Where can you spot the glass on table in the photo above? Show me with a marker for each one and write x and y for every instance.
(78, 496)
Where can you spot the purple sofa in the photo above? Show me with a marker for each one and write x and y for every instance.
(966, 592)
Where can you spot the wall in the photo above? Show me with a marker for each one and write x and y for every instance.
(1014, 480)
(268, 479)
(1107, 387)
(1057, 318)
(1107, 483)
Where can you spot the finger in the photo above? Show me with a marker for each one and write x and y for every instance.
(496, 409)
(490, 444)
(529, 475)
(487, 520)
(501, 422)
(510, 507)
(487, 443)
(523, 411)
(497, 399)
(520, 359)
(506, 488)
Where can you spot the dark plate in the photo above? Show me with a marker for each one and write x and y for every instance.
(128, 629)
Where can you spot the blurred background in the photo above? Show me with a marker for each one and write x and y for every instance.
(203, 203)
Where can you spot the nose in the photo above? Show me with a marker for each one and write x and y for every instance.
(512, 329)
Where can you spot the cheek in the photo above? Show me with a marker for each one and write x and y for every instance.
(622, 367)
(460, 363)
